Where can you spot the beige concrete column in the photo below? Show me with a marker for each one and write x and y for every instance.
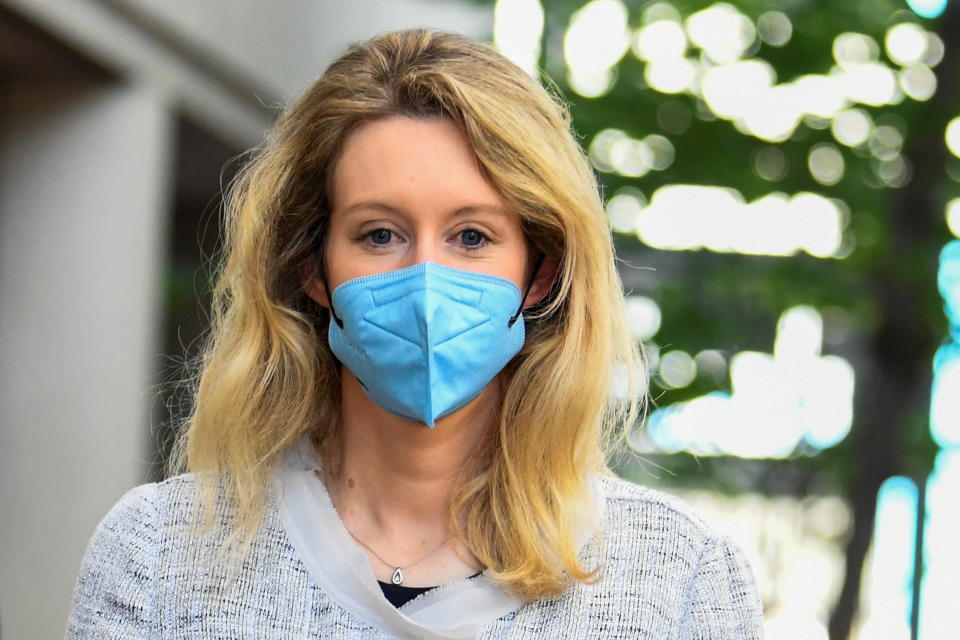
(83, 190)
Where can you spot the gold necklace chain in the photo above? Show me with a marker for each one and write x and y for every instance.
(397, 577)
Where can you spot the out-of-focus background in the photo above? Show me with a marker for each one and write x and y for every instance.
(782, 179)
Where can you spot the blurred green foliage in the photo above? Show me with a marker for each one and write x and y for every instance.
(884, 290)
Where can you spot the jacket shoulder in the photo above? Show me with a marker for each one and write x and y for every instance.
(630, 501)
(656, 544)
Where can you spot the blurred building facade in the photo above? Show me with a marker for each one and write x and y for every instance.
(120, 120)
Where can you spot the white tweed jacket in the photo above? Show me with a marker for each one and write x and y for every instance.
(666, 576)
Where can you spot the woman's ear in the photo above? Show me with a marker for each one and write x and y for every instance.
(312, 283)
(542, 283)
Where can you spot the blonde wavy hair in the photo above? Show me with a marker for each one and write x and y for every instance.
(267, 375)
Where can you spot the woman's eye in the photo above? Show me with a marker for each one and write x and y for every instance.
(471, 238)
(380, 236)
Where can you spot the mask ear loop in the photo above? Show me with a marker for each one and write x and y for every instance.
(536, 269)
(326, 287)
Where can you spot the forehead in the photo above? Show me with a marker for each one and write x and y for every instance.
(410, 160)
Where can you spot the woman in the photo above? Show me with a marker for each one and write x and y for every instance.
(422, 453)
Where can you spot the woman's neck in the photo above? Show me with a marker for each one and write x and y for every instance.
(396, 476)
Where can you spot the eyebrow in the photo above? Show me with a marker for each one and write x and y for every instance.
(467, 209)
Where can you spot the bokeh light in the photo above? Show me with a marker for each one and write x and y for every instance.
(851, 49)
(938, 586)
(852, 127)
(731, 90)
(778, 400)
(953, 216)
(775, 28)
(692, 217)
(948, 281)
(613, 151)
(935, 50)
(655, 11)
(737, 85)
(871, 83)
(721, 31)
(895, 172)
(601, 148)
(672, 75)
(818, 95)
(945, 400)
(888, 572)
(825, 163)
(630, 157)
(952, 136)
(677, 369)
(886, 142)
(594, 42)
(770, 163)
(623, 209)
(643, 316)
(652, 355)
(918, 82)
(660, 40)
(711, 363)
(789, 624)
(662, 149)
(927, 8)
(906, 43)
(517, 31)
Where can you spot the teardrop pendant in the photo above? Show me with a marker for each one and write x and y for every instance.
(397, 576)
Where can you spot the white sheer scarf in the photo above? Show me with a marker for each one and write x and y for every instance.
(453, 611)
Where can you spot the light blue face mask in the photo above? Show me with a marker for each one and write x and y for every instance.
(426, 340)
